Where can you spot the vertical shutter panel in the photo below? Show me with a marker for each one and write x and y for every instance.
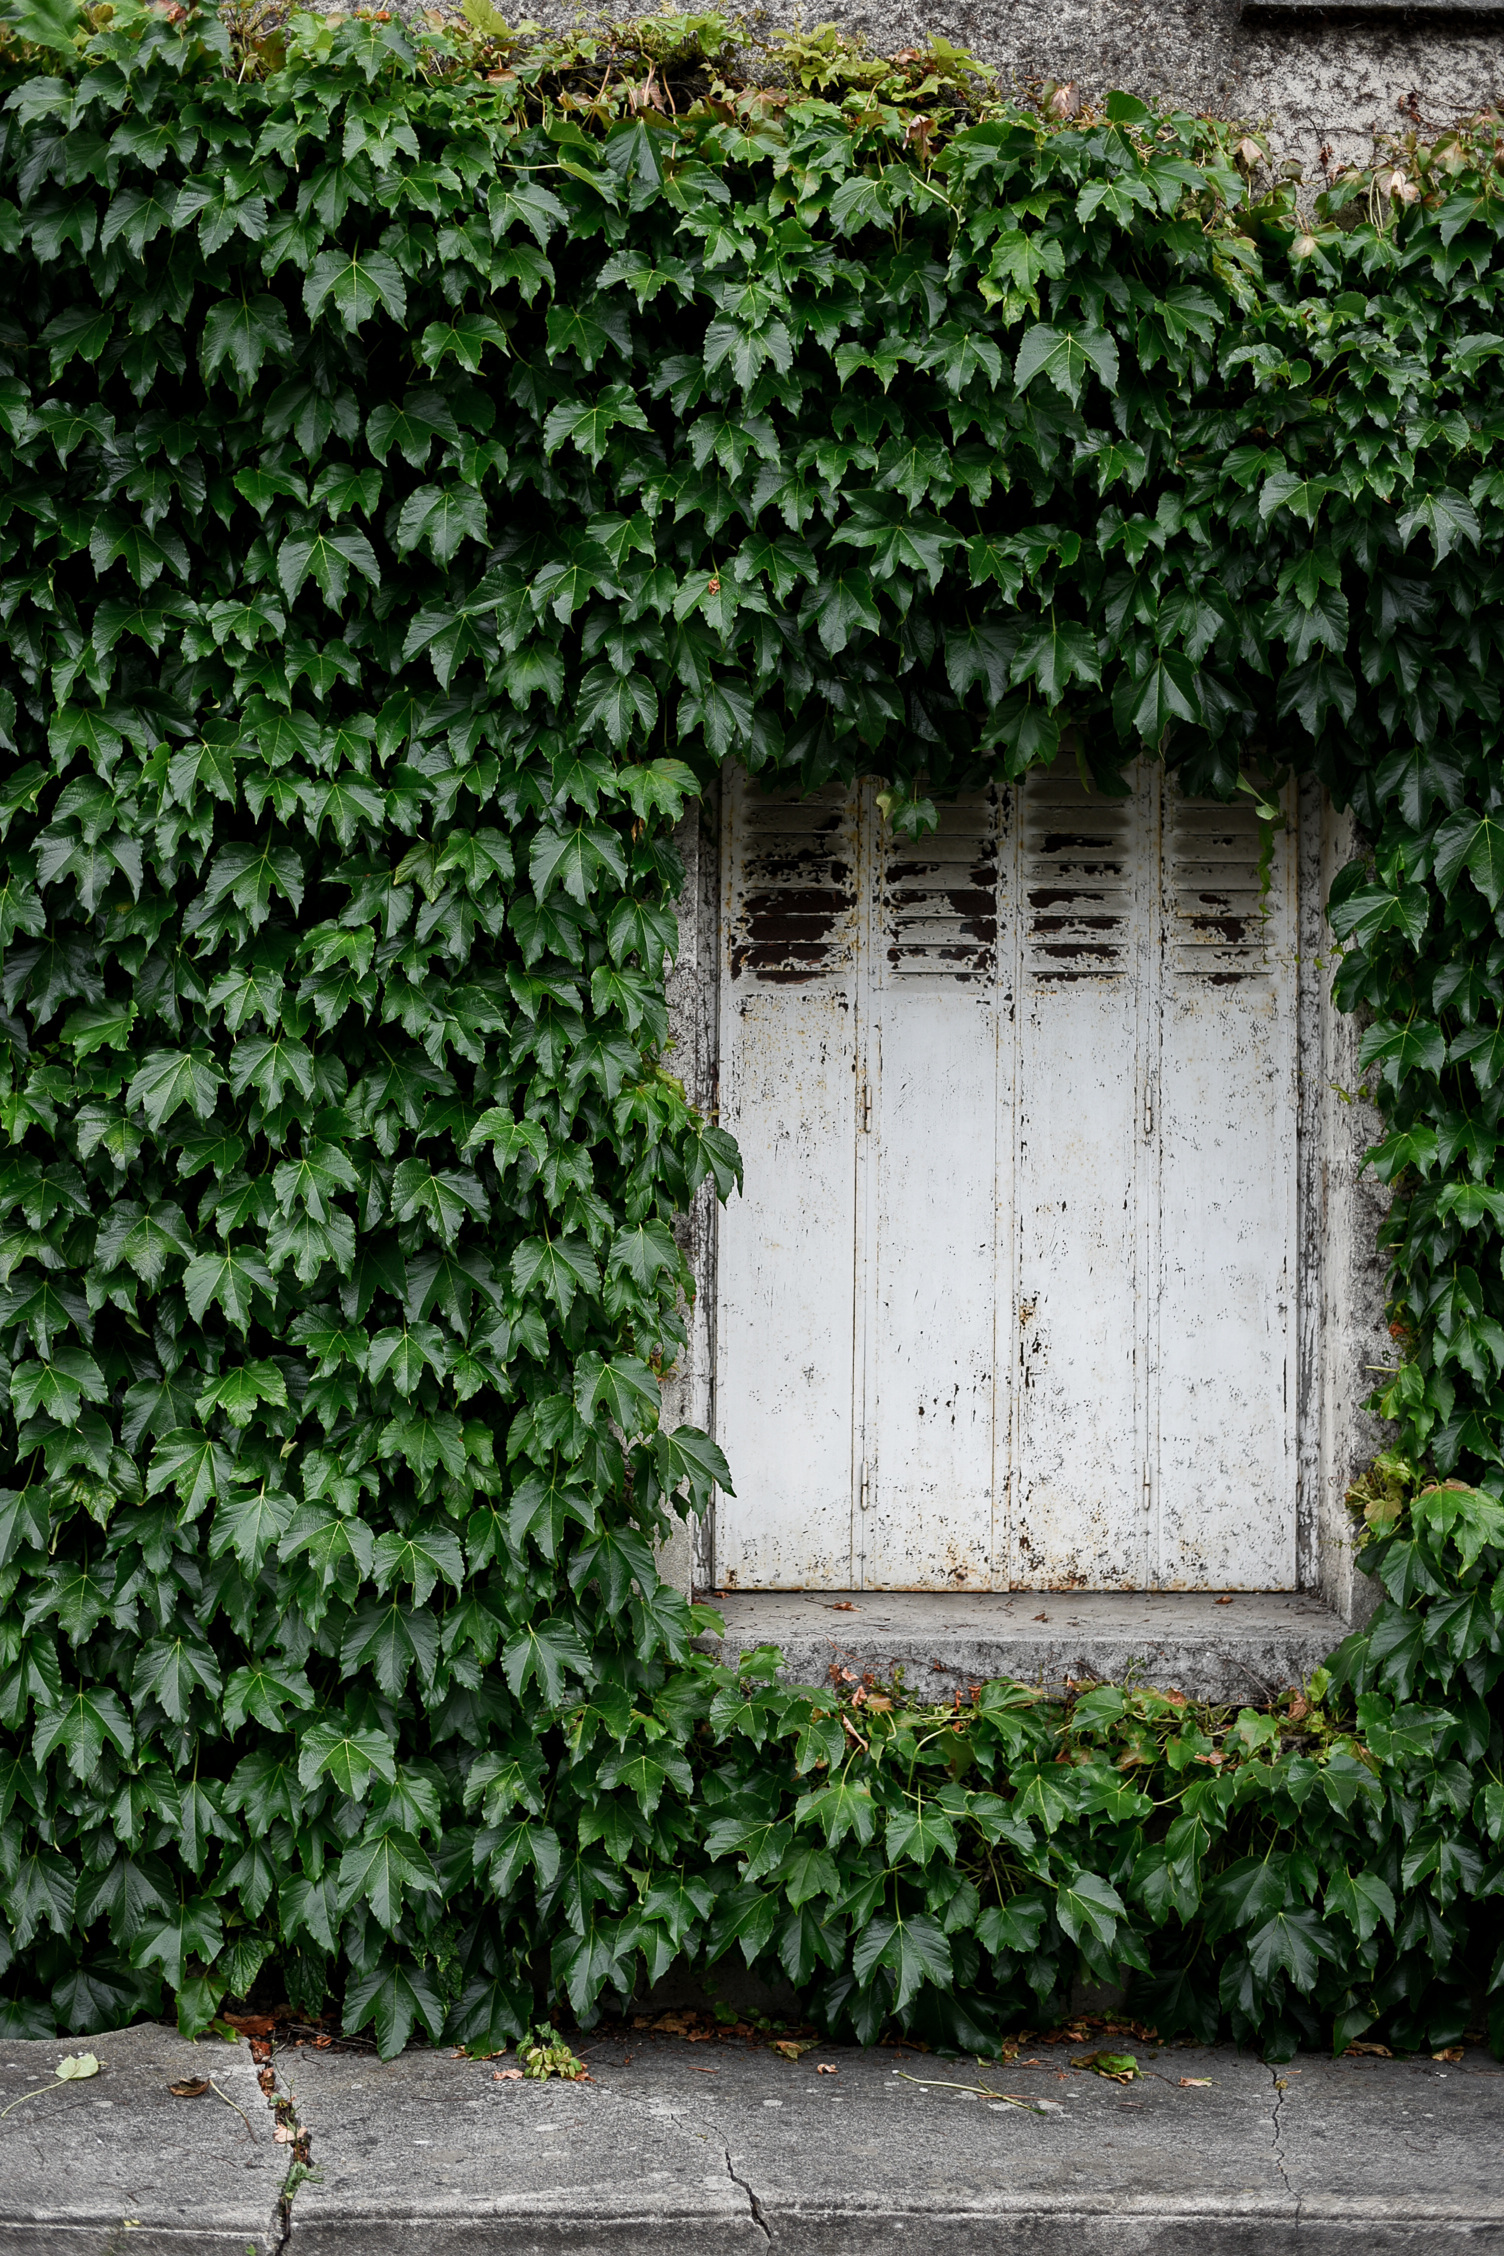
(931, 1161)
(785, 1334)
(1227, 1206)
(1077, 1516)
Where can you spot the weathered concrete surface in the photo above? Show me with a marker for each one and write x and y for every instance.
(685, 2147)
(429, 2153)
(116, 2162)
(688, 2147)
(1244, 1652)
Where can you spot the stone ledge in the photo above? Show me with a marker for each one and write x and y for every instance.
(117, 2163)
(1245, 1651)
(677, 2149)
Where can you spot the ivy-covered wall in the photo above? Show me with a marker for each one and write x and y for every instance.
(425, 462)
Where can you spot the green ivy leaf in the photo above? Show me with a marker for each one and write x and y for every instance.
(545, 1651)
(912, 1946)
(82, 1726)
(347, 1754)
(395, 1995)
(194, 1930)
(359, 283)
(1065, 356)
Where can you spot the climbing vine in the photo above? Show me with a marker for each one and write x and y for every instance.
(426, 457)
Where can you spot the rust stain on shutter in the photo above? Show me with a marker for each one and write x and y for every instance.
(1078, 880)
(794, 915)
(940, 896)
(1216, 928)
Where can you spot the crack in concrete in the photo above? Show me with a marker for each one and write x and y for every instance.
(758, 2218)
(661, 2111)
(1280, 2088)
(298, 2167)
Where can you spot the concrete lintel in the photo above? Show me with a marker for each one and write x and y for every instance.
(1243, 1651)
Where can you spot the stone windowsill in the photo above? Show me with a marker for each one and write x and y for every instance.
(1244, 1651)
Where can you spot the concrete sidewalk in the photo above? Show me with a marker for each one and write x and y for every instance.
(683, 2148)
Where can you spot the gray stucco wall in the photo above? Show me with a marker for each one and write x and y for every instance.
(1324, 90)
(1318, 86)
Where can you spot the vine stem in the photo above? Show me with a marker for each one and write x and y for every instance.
(983, 2091)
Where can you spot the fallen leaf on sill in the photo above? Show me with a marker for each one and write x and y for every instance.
(285, 2134)
(824, 2068)
(1453, 2053)
(76, 2066)
(1121, 2067)
(1041, 1617)
(792, 2047)
(1367, 2052)
(251, 2024)
(1189, 2083)
(698, 2068)
(189, 2087)
(1224, 1601)
(506, 2076)
(842, 1606)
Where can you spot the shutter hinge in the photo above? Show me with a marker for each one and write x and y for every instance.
(1148, 1104)
(866, 1107)
(866, 1490)
(1148, 1492)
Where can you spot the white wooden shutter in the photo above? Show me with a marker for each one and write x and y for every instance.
(787, 1245)
(1077, 1317)
(930, 1162)
(1008, 1300)
(1225, 1496)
